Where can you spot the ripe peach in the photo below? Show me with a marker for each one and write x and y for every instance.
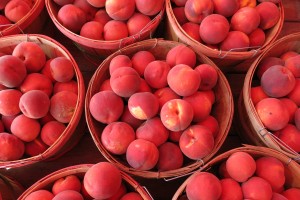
(209, 76)
(197, 186)
(293, 64)
(196, 11)
(9, 101)
(211, 123)
(119, 61)
(115, 30)
(170, 157)
(92, 30)
(106, 106)
(51, 131)
(288, 54)
(290, 135)
(71, 17)
(257, 188)
(62, 69)
(37, 81)
(257, 94)
(227, 8)
(235, 41)
(12, 71)
(62, 106)
(89, 10)
(295, 93)
(105, 85)
(142, 154)
(7, 120)
(69, 182)
(40, 194)
(144, 86)
(116, 136)
(15, 10)
(121, 191)
(97, 3)
(130, 119)
(272, 113)
(192, 29)
(68, 194)
(196, 142)
(181, 54)
(291, 193)
(222, 171)
(269, 14)
(174, 136)
(176, 114)
(149, 7)
(120, 10)
(102, 16)
(231, 189)
(25, 128)
(214, 29)
(291, 107)
(266, 63)
(165, 94)
(102, 180)
(12, 148)
(137, 23)
(277, 196)
(179, 14)
(257, 38)
(240, 166)
(63, 2)
(71, 86)
(35, 147)
(177, 80)
(140, 60)
(47, 71)
(156, 73)
(153, 130)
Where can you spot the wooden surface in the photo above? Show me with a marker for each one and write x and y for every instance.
(86, 151)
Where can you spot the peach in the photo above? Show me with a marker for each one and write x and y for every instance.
(140, 60)
(9, 101)
(250, 3)
(119, 61)
(196, 142)
(214, 29)
(153, 130)
(266, 63)
(288, 54)
(277, 196)
(170, 157)
(257, 38)
(227, 8)
(116, 137)
(105, 85)
(130, 119)
(179, 14)
(293, 64)
(222, 171)
(156, 73)
(174, 136)
(35, 147)
(197, 186)
(295, 93)
(34, 104)
(102, 180)
(269, 14)
(46, 119)
(102, 16)
(12, 71)
(196, 11)
(25, 128)
(47, 71)
(144, 86)
(165, 94)
(85, 6)
(32, 55)
(71, 86)
(291, 193)
(37, 81)
(63, 105)
(257, 94)
(63, 2)
(51, 131)
(68, 194)
(137, 23)
(40, 194)
(120, 10)
(240, 166)
(106, 106)
(290, 135)
(192, 29)
(62, 69)
(97, 3)
(211, 123)
(92, 30)
(7, 120)
(291, 107)
(12, 148)
(143, 105)
(209, 76)
(15, 10)
(231, 189)
(69, 182)
(131, 196)
(181, 54)
(142, 154)
(71, 17)
(121, 191)
(235, 41)
(256, 188)
(149, 7)
(297, 118)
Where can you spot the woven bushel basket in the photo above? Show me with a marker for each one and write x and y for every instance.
(103, 48)
(10, 189)
(79, 171)
(252, 129)
(222, 109)
(292, 168)
(73, 131)
(225, 60)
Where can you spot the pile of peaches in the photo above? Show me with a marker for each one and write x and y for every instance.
(107, 19)
(227, 24)
(157, 112)
(276, 97)
(38, 96)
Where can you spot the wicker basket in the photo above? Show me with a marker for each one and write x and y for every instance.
(72, 133)
(292, 168)
(32, 22)
(252, 129)
(102, 48)
(10, 189)
(79, 170)
(159, 48)
(223, 59)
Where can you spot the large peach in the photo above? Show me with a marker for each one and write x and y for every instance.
(62, 69)
(12, 148)
(291, 107)
(269, 14)
(288, 54)
(257, 94)
(7, 120)
(137, 23)
(277, 196)
(115, 30)
(227, 8)
(211, 123)
(293, 64)
(130, 119)
(15, 10)
(170, 157)
(290, 135)
(209, 76)
(235, 41)
(291, 193)
(46, 70)
(121, 192)
(181, 54)
(102, 16)
(196, 11)
(257, 38)
(179, 14)
(266, 63)
(295, 93)
(120, 10)
(156, 73)
(92, 30)
(119, 61)
(69, 182)
(87, 8)
(165, 94)
(51, 131)
(192, 29)
(149, 7)
(105, 85)
(257, 188)
(40, 194)
(68, 194)
(231, 189)
(25, 128)
(71, 86)
(9, 101)
(37, 81)
(140, 60)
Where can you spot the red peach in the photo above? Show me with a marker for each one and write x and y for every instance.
(105, 85)
(62, 69)
(140, 60)
(156, 73)
(35, 147)
(119, 61)
(63, 105)
(116, 137)
(71, 86)
(196, 11)
(295, 93)
(179, 14)
(131, 196)
(68, 194)
(106, 106)
(266, 63)
(181, 54)
(149, 7)
(257, 188)
(69, 182)
(291, 107)
(40, 194)
(257, 38)
(12, 148)
(174, 136)
(51, 131)
(12, 71)
(214, 29)
(9, 101)
(97, 3)
(170, 157)
(269, 14)
(277, 196)
(240, 166)
(192, 29)
(120, 10)
(209, 76)
(89, 10)
(63, 2)
(15, 10)
(142, 154)
(293, 64)
(222, 171)
(7, 120)
(143, 105)
(211, 123)
(291, 193)
(71, 17)
(288, 54)
(235, 41)
(130, 119)
(257, 94)
(144, 86)
(153, 130)
(37, 81)
(290, 135)
(165, 94)
(231, 189)
(121, 192)
(137, 23)
(102, 16)
(46, 119)
(227, 8)
(92, 30)
(25, 128)
(47, 71)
